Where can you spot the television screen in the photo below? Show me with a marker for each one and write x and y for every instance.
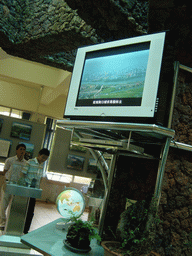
(121, 81)
(114, 78)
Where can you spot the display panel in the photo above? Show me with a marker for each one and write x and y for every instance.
(114, 78)
(120, 81)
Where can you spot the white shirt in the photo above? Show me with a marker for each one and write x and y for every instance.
(33, 172)
(14, 167)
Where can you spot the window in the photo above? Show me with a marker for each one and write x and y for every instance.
(12, 112)
(83, 180)
(66, 178)
(1, 167)
(5, 111)
(16, 113)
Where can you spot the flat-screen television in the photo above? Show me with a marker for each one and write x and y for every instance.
(128, 80)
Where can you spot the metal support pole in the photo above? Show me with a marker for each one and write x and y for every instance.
(161, 170)
(129, 140)
(107, 193)
(176, 72)
(101, 168)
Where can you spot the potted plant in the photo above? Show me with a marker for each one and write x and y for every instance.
(79, 235)
(135, 231)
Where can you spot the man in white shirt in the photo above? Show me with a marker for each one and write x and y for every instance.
(12, 173)
(33, 173)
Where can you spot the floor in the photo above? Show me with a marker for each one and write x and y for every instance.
(44, 213)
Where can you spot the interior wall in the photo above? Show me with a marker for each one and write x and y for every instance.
(61, 150)
(36, 138)
(19, 96)
(55, 108)
(28, 98)
(32, 72)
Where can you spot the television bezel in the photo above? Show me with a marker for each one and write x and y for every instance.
(148, 111)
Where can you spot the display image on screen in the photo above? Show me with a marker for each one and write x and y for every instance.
(114, 79)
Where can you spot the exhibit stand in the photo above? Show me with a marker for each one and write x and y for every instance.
(17, 214)
(141, 141)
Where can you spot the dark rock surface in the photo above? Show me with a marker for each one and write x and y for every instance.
(50, 32)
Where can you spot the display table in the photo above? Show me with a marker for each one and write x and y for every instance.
(48, 240)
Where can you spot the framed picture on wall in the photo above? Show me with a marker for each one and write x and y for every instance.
(5, 146)
(92, 166)
(75, 162)
(21, 131)
(29, 150)
(1, 124)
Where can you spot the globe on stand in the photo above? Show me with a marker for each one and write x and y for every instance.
(70, 203)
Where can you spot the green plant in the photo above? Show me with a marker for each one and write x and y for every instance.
(80, 233)
(88, 225)
(137, 227)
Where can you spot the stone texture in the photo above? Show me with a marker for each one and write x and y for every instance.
(44, 31)
(41, 30)
(175, 212)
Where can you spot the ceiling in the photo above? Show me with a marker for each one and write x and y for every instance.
(52, 81)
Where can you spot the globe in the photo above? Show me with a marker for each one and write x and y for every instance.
(70, 203)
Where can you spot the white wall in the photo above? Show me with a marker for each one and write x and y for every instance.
(19, 96)
(33, 87)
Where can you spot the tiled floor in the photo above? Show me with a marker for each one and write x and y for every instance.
(44, 213)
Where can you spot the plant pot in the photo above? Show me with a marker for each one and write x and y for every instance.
(78, 238)
(73, 249)
(111, 248)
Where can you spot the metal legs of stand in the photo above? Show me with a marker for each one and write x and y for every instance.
(161, 170)
(107, 193)
(16, 216)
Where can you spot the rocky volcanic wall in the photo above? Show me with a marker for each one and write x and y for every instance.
(42, 28)
(175, 209)
(176, 200)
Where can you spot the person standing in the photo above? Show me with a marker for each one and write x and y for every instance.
(33, 173)
(12, 173)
